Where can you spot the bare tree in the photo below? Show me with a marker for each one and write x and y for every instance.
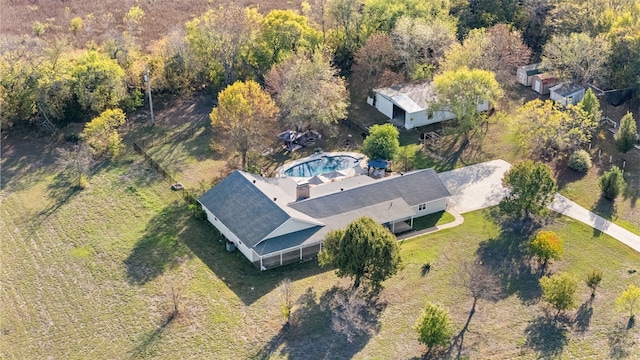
(479, 282)
(285, 299)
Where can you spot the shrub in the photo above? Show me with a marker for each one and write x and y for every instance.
(593, 280)
(83, 182)
(75, 25)
(434, 327)
(612, 183)
(38, 28)
(559, 290)
(580, 160)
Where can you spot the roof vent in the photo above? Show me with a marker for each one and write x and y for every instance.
(274, 199)
(341, 189)
(254, 181)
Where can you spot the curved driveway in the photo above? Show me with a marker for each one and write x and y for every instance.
(479, 186)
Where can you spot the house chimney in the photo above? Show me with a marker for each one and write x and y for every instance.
(303, 191)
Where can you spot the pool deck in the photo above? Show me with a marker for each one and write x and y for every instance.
(359, 169)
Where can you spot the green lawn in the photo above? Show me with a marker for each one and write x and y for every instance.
(431, 220)
(90, 274)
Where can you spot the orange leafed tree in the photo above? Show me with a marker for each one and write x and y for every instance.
(547, 246)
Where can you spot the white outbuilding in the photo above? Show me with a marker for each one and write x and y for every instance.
(567, 93)
(526, 73)
(411, 105)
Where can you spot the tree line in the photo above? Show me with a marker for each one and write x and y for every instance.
(378, 42)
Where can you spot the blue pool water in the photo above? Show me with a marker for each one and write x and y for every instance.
(321, 165)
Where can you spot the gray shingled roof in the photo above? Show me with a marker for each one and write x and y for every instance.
(289, 240)
(415, 188)
(243, 208)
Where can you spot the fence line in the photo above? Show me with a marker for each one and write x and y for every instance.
(189, 196)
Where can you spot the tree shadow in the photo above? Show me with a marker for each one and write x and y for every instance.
(620, 341)
(60, 191)
(238, 273)
(328, 327)
(632, 191)
(506, 255)
(25, 159)
(602, 211)
(547, 336)
(583, 316)
(566, 175)
(162, 245)
(148, 340)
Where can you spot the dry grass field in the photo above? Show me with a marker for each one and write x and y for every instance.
(91, 273)
(102, 18)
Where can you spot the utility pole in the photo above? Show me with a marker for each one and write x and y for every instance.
(146, 79)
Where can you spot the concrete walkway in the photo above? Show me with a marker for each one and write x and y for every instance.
(569, 208)
(458, 220)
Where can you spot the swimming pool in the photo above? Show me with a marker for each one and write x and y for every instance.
(322, 165)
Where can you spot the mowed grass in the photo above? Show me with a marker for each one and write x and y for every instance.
(90, 274)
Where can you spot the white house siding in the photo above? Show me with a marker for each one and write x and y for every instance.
(229, 235)
(384, 105)
(432, 207)
(290, 226)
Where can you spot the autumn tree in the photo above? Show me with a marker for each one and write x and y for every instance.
(627, 134)
(498, 49)
(308, 91)
(546, 128)
(434, 327)
(19, 76)
(101, 133)
(283, 33)
(372, 59)
(219, 37)
(629, 301)
(531, 188)
(420, 43)
(559, 291)
(612, 183)
(547, 246)
(462, 91)
(365, 251)
(348, 19)
(98, 82)
(174, 66)
(245, 117)
(383, 15)
(576, 57)
(382, 142)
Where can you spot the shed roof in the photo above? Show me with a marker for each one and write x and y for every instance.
(566, 89)
(411, 97)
